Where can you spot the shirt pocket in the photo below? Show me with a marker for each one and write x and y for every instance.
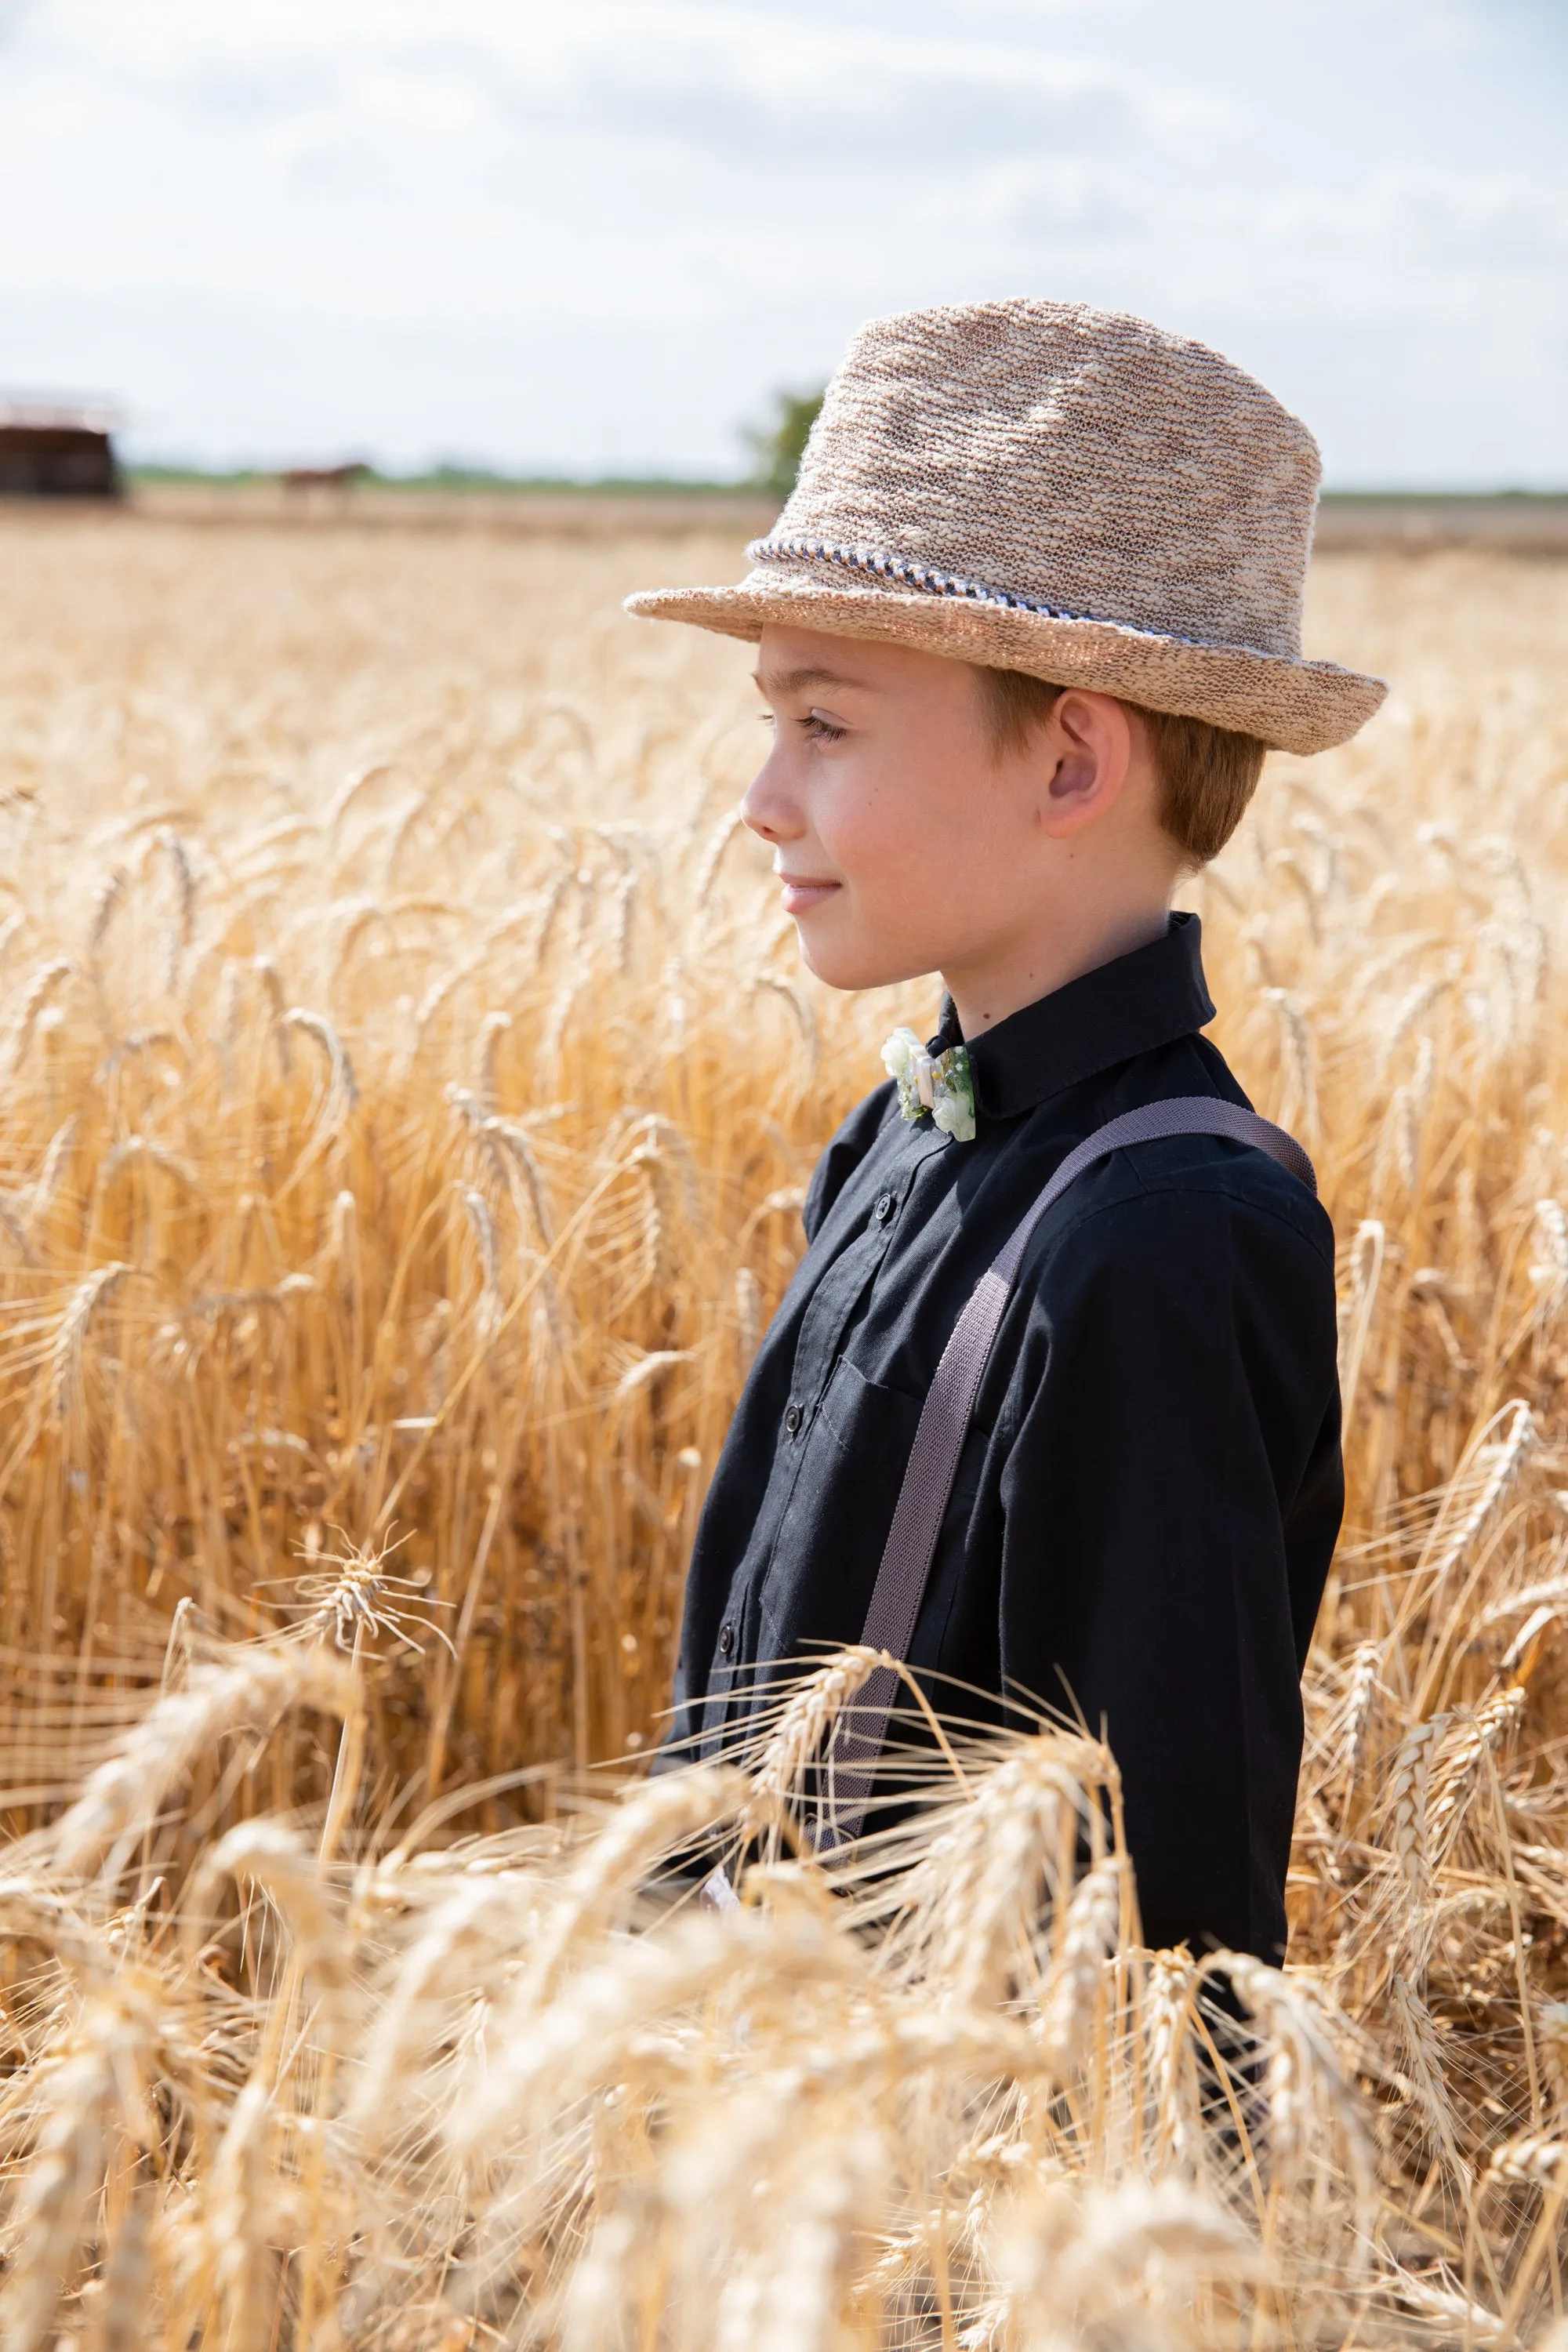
(819, 1579)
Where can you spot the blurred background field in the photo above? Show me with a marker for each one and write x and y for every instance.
(410, 1086)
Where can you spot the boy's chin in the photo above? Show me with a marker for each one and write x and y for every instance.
(854, 963)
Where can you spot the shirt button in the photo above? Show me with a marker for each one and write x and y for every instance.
(884, 1208)
(726, 1640)
(793, 1418)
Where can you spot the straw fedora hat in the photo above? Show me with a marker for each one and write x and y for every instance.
(1042, 487)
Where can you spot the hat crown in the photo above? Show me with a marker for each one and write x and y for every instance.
(1079, 459)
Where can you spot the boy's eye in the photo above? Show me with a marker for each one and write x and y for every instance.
(814, 726)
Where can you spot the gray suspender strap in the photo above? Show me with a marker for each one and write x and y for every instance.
(944, 1421)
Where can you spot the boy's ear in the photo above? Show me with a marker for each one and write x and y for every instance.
(1086, 747)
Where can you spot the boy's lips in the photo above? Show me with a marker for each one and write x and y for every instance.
(800, 893)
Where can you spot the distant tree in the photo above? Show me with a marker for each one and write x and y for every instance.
(778, 450)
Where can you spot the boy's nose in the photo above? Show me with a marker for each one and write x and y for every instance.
(769, 808)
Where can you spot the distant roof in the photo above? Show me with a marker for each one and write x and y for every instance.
(55, 416)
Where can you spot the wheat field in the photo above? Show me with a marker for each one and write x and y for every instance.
(409, 1090)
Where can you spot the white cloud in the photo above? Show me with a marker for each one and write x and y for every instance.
(595, 236)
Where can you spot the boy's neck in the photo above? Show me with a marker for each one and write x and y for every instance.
(988, 988)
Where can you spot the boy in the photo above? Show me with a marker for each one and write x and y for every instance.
(1026, 626)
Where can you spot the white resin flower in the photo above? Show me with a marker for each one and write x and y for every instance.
(953, 1110)
(900, 1055)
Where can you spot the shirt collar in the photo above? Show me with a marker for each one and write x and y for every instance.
(1150, 997)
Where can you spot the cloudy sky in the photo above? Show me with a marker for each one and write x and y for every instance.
(592, 235)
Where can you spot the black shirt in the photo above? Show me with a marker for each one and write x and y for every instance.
(1146, 1504)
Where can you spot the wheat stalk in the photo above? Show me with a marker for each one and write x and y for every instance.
(123, 1796)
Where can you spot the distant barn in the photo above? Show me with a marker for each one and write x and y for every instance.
(57, 452)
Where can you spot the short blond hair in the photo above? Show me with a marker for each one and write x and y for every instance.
(1207, 775)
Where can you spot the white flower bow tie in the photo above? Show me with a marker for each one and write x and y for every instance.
(939, 1083)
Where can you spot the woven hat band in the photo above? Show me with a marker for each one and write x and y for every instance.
(901, 571)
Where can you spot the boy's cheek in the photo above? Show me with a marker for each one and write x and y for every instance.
(876, 844)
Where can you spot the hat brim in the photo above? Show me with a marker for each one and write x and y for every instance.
(1293, 705)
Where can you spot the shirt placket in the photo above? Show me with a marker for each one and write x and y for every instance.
(838, 1294)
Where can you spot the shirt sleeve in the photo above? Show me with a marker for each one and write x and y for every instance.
(1171, 1503)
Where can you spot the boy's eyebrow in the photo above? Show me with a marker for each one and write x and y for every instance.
(792, 681)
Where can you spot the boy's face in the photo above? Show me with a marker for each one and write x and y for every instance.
(905, 843)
